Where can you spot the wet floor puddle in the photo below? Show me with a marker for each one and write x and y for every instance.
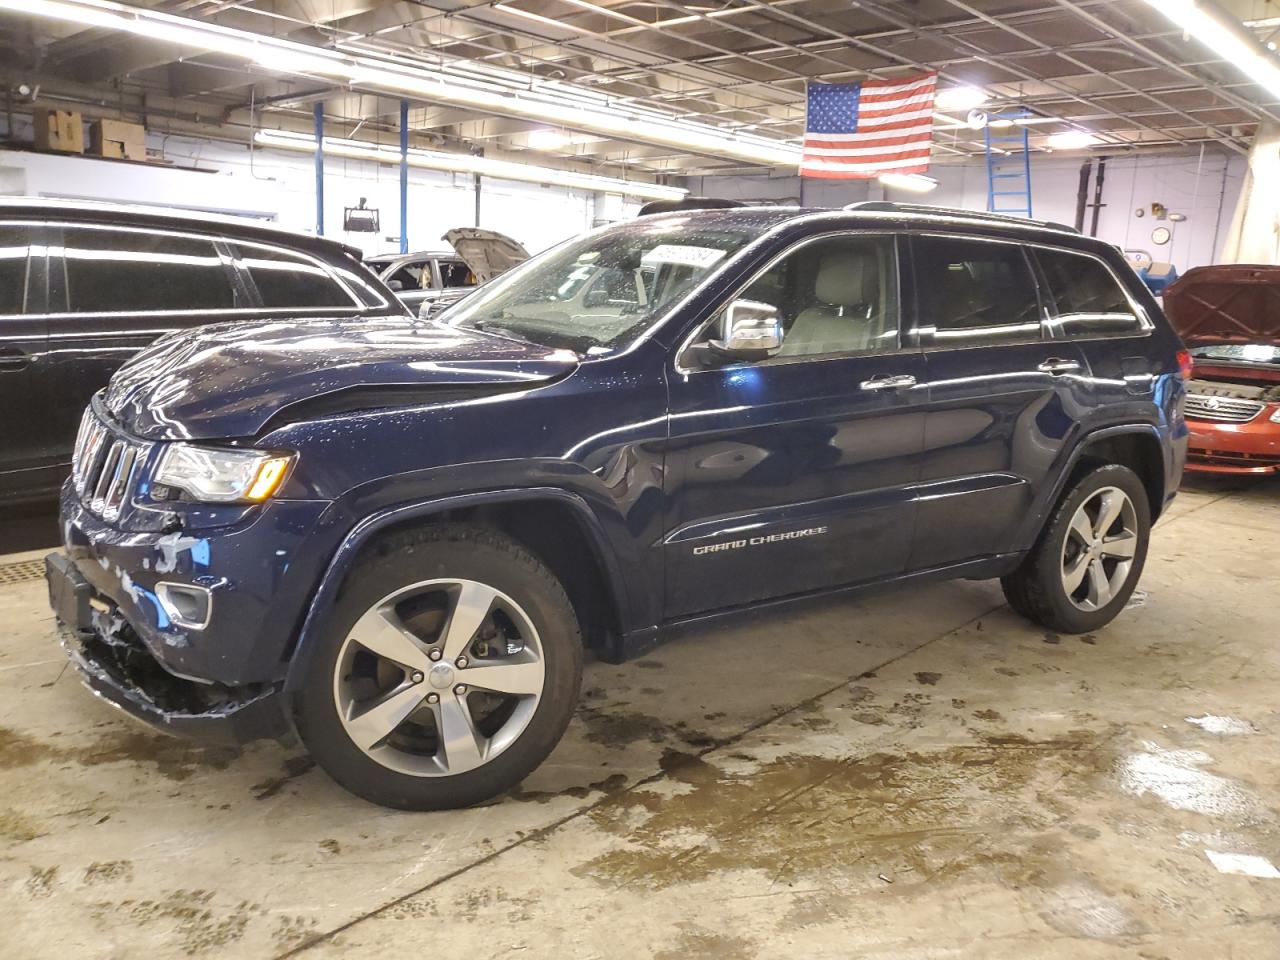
(886, 818)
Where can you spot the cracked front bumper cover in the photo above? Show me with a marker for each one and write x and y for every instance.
(114, 663)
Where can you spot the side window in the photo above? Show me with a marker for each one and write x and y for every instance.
(410, 276)
(835, 295)
(455, 273)
(13, 270)
(118, 271)
(972, 292)
(287, 280)
(1087, 298)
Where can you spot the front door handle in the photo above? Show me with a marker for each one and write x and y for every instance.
(1056, 366)
(896, 382)
(12, 359)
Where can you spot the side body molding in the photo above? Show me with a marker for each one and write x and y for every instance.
(364, 531)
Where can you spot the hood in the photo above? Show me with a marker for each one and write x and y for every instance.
(486, 252)
(1231, 303)
(240, 379)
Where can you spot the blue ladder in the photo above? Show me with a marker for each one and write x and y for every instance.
(1008, 173)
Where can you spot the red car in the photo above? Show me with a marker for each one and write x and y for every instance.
(1229, 318)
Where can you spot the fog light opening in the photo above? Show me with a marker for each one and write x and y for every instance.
(185, 605)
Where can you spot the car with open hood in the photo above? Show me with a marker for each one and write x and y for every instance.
(1229, 318)
(428, 281)
(396, 538)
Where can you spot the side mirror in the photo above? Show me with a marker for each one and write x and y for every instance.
(395, 285)
(750, 330)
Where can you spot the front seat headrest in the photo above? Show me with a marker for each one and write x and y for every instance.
(843, 280)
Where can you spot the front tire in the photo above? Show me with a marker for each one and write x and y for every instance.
(1087, 561)
(448, 670)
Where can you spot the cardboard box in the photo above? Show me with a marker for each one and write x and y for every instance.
(118, 139)
(58, 130)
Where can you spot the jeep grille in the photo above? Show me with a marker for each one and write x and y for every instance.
(105, 465)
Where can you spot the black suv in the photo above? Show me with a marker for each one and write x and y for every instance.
(396, 537)
(84, 286)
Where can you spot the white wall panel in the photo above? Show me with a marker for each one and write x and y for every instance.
(1204, 189)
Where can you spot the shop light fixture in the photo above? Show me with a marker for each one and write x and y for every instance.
(505, 93)
(545, 138)
(955, 99)
(465, 163)
(1072, 140)
(912, 182)
(1225, 36)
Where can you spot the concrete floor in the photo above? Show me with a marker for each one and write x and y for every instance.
(909, 775)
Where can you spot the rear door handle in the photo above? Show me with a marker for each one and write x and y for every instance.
(1056, 366)
(12, 359)
(896, 382)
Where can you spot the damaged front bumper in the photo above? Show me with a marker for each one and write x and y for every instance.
(114, 663)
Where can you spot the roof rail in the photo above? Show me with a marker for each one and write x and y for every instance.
(889, 206)
(687, 203)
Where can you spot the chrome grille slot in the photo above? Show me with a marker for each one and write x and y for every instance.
(1222, 409)
(105, 466)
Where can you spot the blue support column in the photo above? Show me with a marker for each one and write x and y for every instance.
(319, 115)
(404, 176)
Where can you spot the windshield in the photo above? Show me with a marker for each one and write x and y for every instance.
(1239, 352)
(602, 291)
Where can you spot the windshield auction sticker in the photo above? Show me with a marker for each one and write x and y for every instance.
(701, 257)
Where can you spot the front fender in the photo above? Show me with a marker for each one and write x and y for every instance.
(363, 532)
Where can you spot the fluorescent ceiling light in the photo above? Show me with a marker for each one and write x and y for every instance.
(1226, 37)
(913, 182)
(548, 139)
(954, 99)
(481, 87)
(465, 163)
(1072, 140)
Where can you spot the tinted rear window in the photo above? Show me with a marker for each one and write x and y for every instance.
(111, 271)
(13, 269)
(289, 281)
(1087, 298)
(973, 292)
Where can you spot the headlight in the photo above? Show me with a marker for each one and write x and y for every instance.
(222, 475)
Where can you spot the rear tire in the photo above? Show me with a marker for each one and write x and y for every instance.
(448, 670)
(1089, 557)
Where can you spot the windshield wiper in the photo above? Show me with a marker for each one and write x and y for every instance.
(486, 326)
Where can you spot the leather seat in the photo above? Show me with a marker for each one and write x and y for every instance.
(846, 314)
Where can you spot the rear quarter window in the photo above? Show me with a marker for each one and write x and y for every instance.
(1086, 299)
(287, 280)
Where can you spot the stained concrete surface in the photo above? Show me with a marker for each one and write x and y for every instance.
(913, 774)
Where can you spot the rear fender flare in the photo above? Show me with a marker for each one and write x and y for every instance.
(366, 530)
(1044, 508)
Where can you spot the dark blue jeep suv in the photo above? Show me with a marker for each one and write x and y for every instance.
(395, 537)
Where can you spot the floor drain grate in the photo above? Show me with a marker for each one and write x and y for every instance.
(21, 572)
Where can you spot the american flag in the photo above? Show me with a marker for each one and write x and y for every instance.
(854, 131)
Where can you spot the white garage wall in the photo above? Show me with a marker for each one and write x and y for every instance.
(1205, 189)
(280, 186)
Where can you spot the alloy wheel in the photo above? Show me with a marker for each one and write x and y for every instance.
(1098, 551)
(439, 677)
